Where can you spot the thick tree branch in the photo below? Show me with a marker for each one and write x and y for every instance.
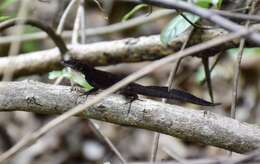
(193, 125)
(108, 52)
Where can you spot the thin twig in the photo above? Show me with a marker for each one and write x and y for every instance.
(249, 157)
(155, 146)
(219, 55)
(236, 78)
(82, 22)
(60, 29)
(237, 16)
(174, 70)
(237, 65)
(76, 27)
(175, 156)
(108, 141)
(64, 16)
(205, 62)
(99, 6)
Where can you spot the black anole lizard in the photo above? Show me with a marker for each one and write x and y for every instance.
(102, 80)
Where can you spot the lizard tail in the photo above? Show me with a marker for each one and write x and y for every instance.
(162, 92)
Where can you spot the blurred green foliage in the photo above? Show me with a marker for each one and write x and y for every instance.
(26, 46)
(178, 25)
(3, 6)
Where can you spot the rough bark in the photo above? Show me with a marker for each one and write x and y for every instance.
(188, 124)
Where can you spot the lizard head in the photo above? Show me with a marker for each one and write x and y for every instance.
(75, 64)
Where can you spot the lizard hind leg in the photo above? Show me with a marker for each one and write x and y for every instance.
(77, 89)
(131, 98)
(83, 92)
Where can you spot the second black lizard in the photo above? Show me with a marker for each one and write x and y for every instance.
(102, 80)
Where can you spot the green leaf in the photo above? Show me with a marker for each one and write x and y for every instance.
(73, 76)
(203, 3)
(209, 3)
(133, 11)
(176, 27)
